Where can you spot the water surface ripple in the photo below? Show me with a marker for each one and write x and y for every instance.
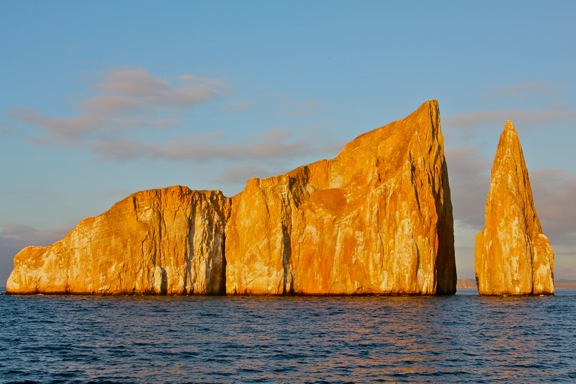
(79, 339)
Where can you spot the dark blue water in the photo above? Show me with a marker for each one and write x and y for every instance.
(69, 339)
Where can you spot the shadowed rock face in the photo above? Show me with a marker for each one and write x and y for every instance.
(513, 257)
(377, 219)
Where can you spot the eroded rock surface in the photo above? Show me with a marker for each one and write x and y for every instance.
(377, 219)
(513, 256)
(162, 241)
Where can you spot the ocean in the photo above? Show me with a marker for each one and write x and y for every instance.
(208, 339)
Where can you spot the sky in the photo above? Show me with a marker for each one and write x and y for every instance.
(100, 99)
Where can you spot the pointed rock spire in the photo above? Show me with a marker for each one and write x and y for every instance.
(513, 256)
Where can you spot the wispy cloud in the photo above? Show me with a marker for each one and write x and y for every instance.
(479, 119)
(197, 148)
(542, 91)
(269, 146)
(128, 98)
(523, 90)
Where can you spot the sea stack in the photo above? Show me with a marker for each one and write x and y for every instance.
(376, 219)
(513, 256)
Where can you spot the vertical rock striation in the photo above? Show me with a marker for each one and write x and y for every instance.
(513, 256)
(377, 219)
(162, 241)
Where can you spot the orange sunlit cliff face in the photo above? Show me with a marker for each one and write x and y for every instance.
(513, 256)
(377, 219)
(154, 242)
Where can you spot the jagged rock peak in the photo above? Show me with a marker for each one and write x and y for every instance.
(513, 256)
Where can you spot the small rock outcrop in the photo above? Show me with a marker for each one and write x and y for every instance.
(513, 256)
(377, 219)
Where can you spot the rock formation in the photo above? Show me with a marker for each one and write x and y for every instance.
(513, 256)
(163, 241)
(377, 219)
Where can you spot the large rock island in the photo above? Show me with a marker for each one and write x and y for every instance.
(513, 256)
(377, 219)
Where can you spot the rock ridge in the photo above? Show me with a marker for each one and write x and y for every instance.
(376, 219)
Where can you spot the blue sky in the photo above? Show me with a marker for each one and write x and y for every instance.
(105, 98)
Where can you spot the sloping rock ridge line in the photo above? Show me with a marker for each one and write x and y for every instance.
(513, 256)
(376, 219)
